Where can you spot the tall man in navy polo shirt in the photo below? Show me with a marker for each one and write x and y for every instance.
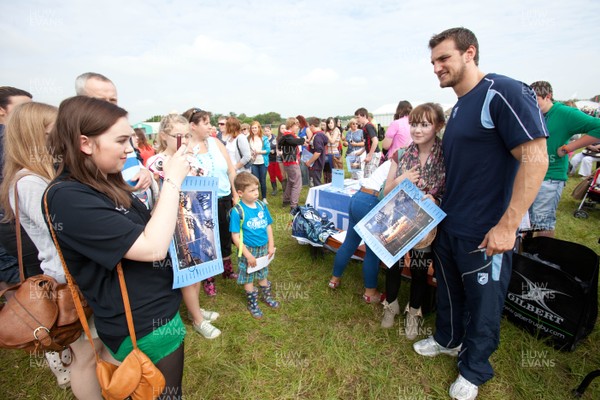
(495, 156)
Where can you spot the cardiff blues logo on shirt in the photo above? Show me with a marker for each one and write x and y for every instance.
(257, 223)
(122, 209)
(482, 278)
(454, 111)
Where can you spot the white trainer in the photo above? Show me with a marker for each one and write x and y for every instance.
(462, 389)
(210, 316)
(430, 348)
(207, 330)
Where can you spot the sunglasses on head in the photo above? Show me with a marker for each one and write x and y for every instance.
(194, 112)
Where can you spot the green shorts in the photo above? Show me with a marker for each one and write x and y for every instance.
(157, 344)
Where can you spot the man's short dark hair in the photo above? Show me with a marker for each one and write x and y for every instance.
(462, 37)
(6, 92)
(542, 89)
(314, 121)
(362, 112)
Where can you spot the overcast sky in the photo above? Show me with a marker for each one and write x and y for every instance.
(310, 57)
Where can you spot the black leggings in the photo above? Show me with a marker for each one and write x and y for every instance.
(172, 369)
(419, 263)
(224, 205)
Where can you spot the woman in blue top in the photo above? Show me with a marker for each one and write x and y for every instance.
(305, 133)
(260, 145)
(213, 160)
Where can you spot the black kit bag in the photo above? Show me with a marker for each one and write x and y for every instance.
(553, 291)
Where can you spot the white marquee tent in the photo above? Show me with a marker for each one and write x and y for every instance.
(384, 115)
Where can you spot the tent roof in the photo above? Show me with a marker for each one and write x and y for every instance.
(391, 107)
(149, 127)
(586, 103)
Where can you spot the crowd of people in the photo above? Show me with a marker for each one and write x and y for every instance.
(116, 198)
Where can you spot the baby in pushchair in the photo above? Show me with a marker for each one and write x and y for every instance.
(591, 195)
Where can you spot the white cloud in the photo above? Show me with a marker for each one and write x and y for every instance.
(304, 56)
(320, 76)
(357, 81)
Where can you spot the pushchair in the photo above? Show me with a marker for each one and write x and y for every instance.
(591, 196)
(578, 392)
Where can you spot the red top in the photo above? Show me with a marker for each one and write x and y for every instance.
(288, 159)
(146, 153)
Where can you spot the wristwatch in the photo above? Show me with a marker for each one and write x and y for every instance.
(563, 150)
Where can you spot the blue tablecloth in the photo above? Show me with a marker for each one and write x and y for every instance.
(333, 202)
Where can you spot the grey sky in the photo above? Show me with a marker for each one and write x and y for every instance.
(293, 57)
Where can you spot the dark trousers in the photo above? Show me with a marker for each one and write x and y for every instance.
(471, 288)
(419, 263)
(315, 175)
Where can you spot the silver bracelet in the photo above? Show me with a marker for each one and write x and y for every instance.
(173, 184)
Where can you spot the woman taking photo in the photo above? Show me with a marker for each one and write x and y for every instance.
(103, 224)
(29, 167)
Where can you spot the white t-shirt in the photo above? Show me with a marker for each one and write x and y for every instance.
(31, 191)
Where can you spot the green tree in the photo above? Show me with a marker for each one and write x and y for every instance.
(214, 119)
(268, 118)
(244, 118)
(156, 118)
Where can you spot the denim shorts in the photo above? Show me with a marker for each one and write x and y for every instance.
(542, 212)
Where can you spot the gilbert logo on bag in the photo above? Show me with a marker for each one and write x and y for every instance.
(553, 291)
(537, 293)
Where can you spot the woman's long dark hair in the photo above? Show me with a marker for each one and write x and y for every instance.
(404, 108)
(82, 115)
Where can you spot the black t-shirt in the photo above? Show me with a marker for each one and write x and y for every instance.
(94, 236)
(319, 146)
(369, 132)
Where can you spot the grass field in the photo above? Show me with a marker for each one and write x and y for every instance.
(325, 344)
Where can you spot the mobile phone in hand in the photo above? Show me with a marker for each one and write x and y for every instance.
(178, 141)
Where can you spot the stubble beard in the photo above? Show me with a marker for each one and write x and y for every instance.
(454, 79)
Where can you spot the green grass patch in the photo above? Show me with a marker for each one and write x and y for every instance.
(325, 344)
